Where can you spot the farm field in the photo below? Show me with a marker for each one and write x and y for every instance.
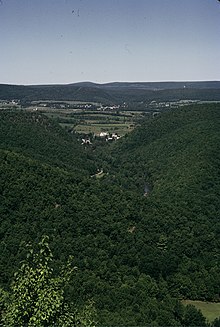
(96, 122)
(120, 129)
(86, 121)
(210, 310)
(89, 117)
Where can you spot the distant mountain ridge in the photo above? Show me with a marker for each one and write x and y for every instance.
(152, 85)
(115, 92)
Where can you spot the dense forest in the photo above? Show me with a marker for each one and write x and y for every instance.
(144, 236)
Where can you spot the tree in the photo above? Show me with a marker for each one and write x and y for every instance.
(216, 322)
(193, 317)
(37, 297)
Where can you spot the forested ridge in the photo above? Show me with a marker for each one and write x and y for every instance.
(144, 236)
(114, 92)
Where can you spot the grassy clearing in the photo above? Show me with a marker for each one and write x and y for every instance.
(121, 129)
(101, 122)
(67, 125)
(210, 310)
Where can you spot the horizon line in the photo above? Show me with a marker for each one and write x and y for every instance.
(110, 82)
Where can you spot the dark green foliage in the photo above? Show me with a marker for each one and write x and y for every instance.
(135, 254)
(216, 322)
(178, 155)
(193, 317)
(34, 135)
(37, 297)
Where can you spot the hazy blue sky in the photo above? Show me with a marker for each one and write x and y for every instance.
(65, 41)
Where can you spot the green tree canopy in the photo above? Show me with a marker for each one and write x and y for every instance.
(37, 297)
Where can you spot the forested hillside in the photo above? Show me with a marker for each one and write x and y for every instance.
(35, 136)
(175, 158)
(144, 236)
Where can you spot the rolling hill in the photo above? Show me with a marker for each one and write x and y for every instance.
(114, 92)
(35, 136)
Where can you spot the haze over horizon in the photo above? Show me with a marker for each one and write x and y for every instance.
(69, 41)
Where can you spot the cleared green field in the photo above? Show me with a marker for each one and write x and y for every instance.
(210, 310)
(67, 125)
(121, 129)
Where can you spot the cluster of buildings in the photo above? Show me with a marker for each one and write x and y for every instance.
(108, 137)
(170, 104)
(9, 102)
(109, 108)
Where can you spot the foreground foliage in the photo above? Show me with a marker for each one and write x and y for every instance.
(37, 297)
